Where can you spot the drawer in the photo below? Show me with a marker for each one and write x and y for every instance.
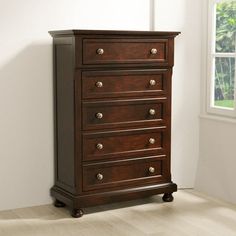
(111, 51)
(125, 83)
(123, 143)
(122, 113)
(135, 172)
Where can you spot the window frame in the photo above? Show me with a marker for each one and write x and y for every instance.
(222, 111)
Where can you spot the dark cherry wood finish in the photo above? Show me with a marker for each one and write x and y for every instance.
(77, 213)
(121, 113)
(112, 116)
(115, 51)
(168, 197)
(124, 83)
(123, 143)
(123, 173)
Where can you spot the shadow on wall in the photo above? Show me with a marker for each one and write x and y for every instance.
(26, 124)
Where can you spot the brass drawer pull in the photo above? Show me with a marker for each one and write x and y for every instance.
(152, 112)
(99, 84)
(152, 82)
(100, 51)
(99, 146)
(151, 169)
(99, 115)
(152, 140)
(153, 51)
(99, 176)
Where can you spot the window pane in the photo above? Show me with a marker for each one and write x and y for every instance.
(225, 26)
(224, 82)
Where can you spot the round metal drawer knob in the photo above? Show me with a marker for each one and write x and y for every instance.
(152, 82)
(151, 169)
(99, 115)
(100, 51)
(152, 140)
(99, 176)
(99, 84)
(153, 51)
(99, 146)
(152, 112)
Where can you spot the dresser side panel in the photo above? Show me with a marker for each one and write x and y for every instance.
(63, 55)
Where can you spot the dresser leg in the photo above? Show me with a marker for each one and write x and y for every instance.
(168, 197)
(76, 213)
(58, 203)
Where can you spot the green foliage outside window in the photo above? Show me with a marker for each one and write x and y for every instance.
(225, 43)
(225, 26)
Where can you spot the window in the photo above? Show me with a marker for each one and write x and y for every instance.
(222, 57)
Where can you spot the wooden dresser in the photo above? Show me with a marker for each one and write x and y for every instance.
(112, 116)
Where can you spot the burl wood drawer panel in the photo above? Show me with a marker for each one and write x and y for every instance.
(123, 113)
(106, 175)
(124, 83)
(110, 51)
(122, 143)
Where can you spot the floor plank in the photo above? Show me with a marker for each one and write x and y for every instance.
(191, 214)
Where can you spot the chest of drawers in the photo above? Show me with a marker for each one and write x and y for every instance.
(112, 116)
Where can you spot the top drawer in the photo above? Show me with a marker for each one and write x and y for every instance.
(112, 51)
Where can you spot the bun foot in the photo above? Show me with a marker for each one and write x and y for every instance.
(77, 213)
(168, 197)
(58, 203)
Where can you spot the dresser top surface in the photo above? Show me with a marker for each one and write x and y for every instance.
(112, 32)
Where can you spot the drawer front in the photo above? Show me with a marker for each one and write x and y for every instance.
(123, 143)
(110, 51)
(112, 114)
(106, 84)
(133, 172)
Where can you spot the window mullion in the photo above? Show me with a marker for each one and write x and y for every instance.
(226, 54)
(235, 82)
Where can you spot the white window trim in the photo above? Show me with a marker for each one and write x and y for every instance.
(221, 111)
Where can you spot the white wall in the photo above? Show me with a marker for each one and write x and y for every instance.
(184, 16)
(217, 159)
(216, 168)
(26, 124)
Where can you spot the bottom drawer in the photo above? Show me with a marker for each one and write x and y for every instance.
(138, 171)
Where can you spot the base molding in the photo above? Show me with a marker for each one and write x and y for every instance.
(88, 199)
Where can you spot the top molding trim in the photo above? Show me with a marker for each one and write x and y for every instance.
(112, 32)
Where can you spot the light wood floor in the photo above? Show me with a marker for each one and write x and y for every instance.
(191, 214)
